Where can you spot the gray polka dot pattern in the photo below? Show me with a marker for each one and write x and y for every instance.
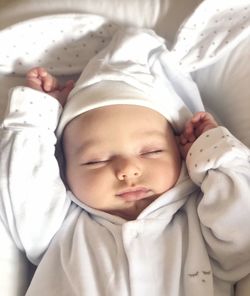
(32, 108)
(72, 39)
(211, 31)
(211, 149)
(62, 43)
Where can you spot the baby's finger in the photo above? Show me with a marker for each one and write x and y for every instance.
(50, 83)
(198, 117)
(34, 83)
(203, 121)
(36, 72)
(32, 73)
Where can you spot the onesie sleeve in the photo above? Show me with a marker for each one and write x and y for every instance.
(220, 165)
(33, 199)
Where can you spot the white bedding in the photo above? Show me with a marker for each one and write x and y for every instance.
(213, 44)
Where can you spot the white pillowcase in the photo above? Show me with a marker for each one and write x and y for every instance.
(225, 89)
(137, 12)
(214, 45)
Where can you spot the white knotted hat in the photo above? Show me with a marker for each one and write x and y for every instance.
(134, 69)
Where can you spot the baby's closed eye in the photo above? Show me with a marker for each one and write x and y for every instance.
(151, 152)
(95, 162)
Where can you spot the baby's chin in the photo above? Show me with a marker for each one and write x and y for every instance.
(132, 210)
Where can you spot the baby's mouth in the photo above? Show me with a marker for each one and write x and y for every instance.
(134, 193)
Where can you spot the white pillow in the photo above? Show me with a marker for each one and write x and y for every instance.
(214, 45)
(225, 90)
(136, 12)
(165, 16)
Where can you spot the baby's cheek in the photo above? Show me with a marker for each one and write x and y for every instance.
(168, 175)
(82, 188)
(90, 185)
(76, 181)
(93, 191)
(85, 183)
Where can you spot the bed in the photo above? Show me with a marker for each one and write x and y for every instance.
(211, 40)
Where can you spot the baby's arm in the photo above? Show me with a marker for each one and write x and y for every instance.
(33, 199)
(220, 165)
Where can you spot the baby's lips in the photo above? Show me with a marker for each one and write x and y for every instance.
(134, 193)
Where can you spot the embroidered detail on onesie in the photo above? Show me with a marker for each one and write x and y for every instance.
(202, 275)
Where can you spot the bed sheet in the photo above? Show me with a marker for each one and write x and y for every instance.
(214, 64)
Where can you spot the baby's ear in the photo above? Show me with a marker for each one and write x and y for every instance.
(177, 139)
(59, 154)
(181, 147)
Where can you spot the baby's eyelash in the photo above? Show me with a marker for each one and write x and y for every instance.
(95, 162)
(152, 152)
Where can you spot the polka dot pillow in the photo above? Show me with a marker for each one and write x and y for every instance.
(214, 45)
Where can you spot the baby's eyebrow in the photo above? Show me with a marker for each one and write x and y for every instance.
(88, 145)
(150, 133)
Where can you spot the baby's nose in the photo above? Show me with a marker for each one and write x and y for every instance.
(128, 169)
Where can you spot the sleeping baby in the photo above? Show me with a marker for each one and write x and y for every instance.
(153, 195)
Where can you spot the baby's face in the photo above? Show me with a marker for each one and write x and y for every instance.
(120, 158)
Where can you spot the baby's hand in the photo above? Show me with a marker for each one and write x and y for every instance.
(38, 78)
(197, 125)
